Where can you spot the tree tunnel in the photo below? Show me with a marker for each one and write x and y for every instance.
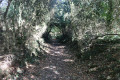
(90, 27)
(55, 31)
(59, 22)
(77, 20)
(73, 17)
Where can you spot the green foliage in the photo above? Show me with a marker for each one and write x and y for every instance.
(55, 32)
(76, 21)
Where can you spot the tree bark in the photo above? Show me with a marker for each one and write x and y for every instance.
(1, 1)
(5, 14)
(109, 15)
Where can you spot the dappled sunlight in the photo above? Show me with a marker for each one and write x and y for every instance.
(53, 68)
(40, 29)
(28, 65)
(68, 60)
(4, 66)
(55, 50)
(61, 54)
(35, 41)
(59, 39)
(32, 76)
(58, 65)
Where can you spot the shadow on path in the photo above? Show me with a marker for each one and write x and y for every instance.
(59, 64)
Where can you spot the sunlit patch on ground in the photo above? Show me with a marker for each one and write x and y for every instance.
(53, 68)
(68, 60)
(56, 51)
(58, 65)
(32, 76)
(4, 66)
(28, 65)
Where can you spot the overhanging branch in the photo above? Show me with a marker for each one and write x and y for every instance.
(1, 1)
(96, 37)
(5, 14)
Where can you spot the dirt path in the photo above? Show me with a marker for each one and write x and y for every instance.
(58, 65)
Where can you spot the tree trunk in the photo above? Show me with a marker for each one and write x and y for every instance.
(109, 16)
(5, 14)
(1, 1)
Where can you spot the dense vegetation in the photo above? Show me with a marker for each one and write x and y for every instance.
(91, 26)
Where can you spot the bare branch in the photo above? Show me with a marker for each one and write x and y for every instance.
(1, 1)
(5, 14)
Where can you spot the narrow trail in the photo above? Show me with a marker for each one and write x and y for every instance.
(58, 65)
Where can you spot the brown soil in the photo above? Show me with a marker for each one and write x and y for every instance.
(58, 64)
